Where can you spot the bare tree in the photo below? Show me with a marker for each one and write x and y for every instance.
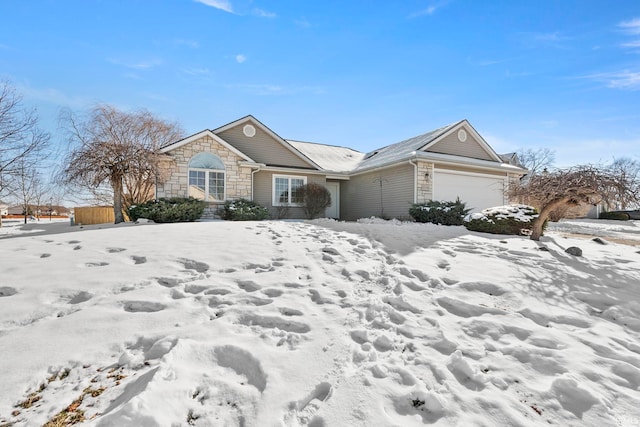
(626, 191)
(536, 160)
(116, 148)
(21, 141)
(566, 187)
(28, 189)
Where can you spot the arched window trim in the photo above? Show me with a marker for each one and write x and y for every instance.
(203, 178)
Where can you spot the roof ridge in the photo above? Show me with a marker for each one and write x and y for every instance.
(325, 145)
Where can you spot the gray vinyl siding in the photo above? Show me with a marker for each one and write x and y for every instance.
(360, 196)
(263, 192)
(262, 148)
(451, 145)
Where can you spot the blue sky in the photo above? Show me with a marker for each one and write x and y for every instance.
(562, 74)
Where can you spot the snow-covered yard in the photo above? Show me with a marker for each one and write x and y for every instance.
(319, 323)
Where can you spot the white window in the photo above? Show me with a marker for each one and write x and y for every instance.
(207, 178)
(285, 190)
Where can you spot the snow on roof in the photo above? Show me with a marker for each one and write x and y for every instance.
(329, 157)
(338, 159)
(400, 150)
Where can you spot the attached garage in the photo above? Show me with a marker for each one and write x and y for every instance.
(478, 191)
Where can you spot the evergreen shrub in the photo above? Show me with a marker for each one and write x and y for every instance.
(445, 213)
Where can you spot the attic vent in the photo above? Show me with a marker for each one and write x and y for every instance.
(462, 135)
(249, 131)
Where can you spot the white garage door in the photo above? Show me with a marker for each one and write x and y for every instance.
(478, 191)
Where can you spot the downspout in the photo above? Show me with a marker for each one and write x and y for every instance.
(415, 179)
(253, 172)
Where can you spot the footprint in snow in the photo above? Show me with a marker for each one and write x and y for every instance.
(199, 267)
(248, 285)
(80, 297)
(290, 311)
(271, 322)
(169, 282)
(7, 291)
(251, 300)
(318, 299)
(139, 259)
(303, 412)
(115, 250)
(195, 289)
(143, 306)
(272, 293)
(444, 265)
(96, 264)
(217, 291)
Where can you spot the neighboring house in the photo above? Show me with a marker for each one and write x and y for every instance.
(246, 159)
(42, 210)
(15, 210)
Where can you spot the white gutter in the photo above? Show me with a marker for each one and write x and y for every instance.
(256, 168)
(447, 159)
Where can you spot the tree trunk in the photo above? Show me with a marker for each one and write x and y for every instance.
(538, 223)
(116, 184)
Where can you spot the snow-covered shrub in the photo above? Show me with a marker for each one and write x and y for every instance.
(510, 219)
(175, 209)
(620, 216)
(445, 213)
(243, 210)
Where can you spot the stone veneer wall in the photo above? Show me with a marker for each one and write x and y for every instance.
(237, 177)
(425, 182)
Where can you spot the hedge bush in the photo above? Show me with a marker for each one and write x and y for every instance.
(620, 216)
(243, 210)
(510, 219)
(175, 209)
(445, 213)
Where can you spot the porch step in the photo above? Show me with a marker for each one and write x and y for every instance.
(210, 213)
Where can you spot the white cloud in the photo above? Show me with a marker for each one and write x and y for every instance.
(136, 65)
(429, 10)
(628, 80)
(189, 43)
(53, 96)
(272, 89)
(264, 14)
(548, 37)
(240, 58)
(218, 4)
(302, 23)
(197, 71)
(632, 27)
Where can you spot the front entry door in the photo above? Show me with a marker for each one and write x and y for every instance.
(333, 210)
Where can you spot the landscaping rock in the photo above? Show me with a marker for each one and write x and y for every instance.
(599, 240)
(574, 250)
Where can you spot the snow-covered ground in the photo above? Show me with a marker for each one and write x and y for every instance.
(319, 323)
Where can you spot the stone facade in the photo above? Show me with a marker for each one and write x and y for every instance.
(425, 182)
(175, 170)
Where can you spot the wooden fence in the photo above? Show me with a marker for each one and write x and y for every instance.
(93, 215)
